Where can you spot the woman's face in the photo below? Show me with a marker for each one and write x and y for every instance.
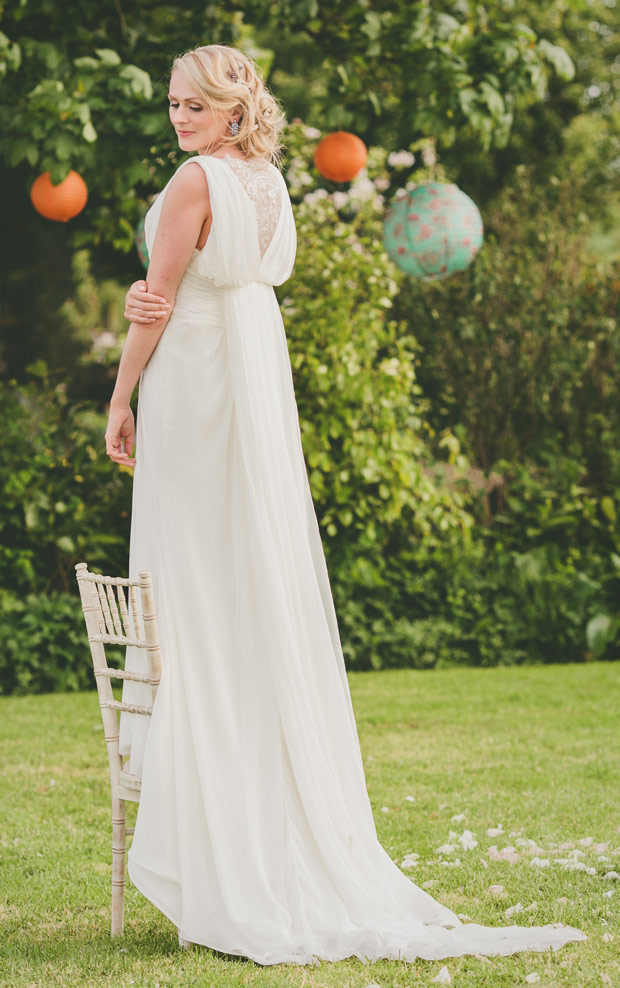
(198, 128)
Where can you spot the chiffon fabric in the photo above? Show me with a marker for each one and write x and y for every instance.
(254, 831)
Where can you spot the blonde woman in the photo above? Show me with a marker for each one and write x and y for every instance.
(254, 833)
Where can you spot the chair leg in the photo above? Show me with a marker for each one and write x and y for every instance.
(118, 865)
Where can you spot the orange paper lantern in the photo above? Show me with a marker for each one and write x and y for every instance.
(340, 156)
(59, 202)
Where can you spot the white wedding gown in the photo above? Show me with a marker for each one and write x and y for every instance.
(254, 831)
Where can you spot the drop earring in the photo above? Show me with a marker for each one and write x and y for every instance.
(235, 127)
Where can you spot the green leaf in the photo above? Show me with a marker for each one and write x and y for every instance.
(39, 368)
(467, 98)
(446, 25)
(492, 98)
(525, 30)
(609, 509)
(372, 25)
(86, 62)
(559, 58)
(372, 97)
(17, 151)
(108, 56)
(139, 80)
(82, 112)
(88, 132)
(598, 633)
(64, 147)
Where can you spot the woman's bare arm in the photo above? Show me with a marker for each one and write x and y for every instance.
(184, 211)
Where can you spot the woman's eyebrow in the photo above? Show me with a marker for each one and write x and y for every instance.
(192, 99)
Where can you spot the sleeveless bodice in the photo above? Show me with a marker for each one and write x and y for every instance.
(252, 236)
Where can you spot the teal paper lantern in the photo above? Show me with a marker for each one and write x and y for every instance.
(432, 230)
(140, 239)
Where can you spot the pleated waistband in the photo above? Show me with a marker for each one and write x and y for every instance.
(199, 298)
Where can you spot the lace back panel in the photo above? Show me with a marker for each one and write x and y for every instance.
(260, 182)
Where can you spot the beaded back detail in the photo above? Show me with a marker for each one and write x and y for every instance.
(260, 182)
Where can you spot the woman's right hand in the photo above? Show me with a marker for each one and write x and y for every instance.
(142, 306)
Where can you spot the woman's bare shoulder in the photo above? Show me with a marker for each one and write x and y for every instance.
(190, 182)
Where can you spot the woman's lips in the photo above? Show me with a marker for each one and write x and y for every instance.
(185, 133)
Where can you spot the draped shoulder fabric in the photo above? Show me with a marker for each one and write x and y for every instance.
(254, 834)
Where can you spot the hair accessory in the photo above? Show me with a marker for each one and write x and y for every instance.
(234, 77)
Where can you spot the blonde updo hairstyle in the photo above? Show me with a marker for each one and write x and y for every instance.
(227, 80)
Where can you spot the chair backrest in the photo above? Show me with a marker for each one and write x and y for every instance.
(114, 619)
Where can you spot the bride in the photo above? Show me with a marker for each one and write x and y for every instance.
(254, 831)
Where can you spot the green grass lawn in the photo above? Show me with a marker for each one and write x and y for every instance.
(534, 750)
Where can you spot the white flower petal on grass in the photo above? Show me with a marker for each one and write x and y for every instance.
(506, 854)
(532, 978)
(603, 857)
(457, 817)
(446, 849)
(609, 894)
(607, 937)
(495, 889)
(495, 831)
(569, 864)
(385, 809)
(562, 899)
(468, 840)
(517, 908)
(410, 799)
(612, 876)
(433, 881)
(586, 841)
(533, 906)
(540, 862)
(410, 861)
(452, 864)
(443, 978)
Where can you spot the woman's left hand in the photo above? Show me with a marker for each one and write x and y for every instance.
(120, 432)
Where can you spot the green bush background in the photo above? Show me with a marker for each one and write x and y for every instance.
(461, 437)
(458, 438)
